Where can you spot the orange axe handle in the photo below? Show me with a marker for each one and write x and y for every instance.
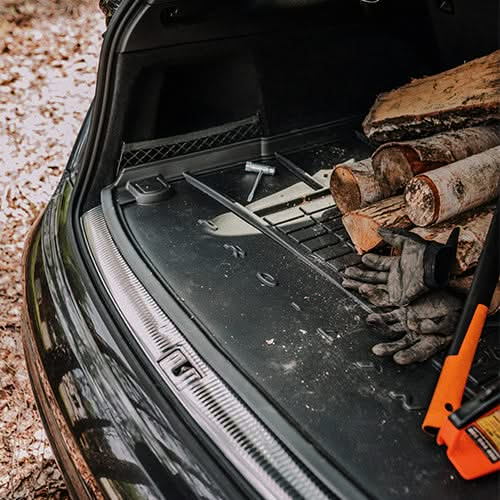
(456, 367)
(451, 384)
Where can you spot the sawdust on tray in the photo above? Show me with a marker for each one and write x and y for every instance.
(48, 59)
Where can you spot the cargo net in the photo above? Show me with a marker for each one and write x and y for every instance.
(139, 153)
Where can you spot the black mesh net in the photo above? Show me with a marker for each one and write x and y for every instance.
(141, 153)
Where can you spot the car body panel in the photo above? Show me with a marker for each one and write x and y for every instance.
(123, 441)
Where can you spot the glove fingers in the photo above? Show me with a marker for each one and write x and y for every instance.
(422, 350)
(376, 294)
(378, 262)
(393, 331)
(388, 348)
(398, 328)
(352, 284)
(387, 323)
(392, 237)
(429, 326)
(366, 276)
(396, 316)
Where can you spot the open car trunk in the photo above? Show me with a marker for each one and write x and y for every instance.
(263, 279)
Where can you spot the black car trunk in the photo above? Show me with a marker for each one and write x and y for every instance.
(263, 278)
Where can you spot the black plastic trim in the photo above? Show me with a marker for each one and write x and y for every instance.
(252, 149)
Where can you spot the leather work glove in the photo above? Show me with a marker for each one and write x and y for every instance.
(398, 280)
(428, 324)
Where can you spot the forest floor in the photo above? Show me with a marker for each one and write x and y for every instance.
(48, 59)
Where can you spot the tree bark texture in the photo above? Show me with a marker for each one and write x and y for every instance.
(438, 195)
(473, 226)
(460, 97)
(396, 163)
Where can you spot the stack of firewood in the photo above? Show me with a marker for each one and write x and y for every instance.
(438, 165)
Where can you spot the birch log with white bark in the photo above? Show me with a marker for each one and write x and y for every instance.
(396, 163)
(438, 195)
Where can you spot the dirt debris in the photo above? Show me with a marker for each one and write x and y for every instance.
(48, 59)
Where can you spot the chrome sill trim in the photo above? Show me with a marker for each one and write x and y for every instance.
(230, 424)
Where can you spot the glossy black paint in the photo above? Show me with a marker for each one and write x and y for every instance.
(99, 408)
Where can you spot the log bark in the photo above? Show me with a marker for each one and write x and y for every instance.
(353, 185)
(396, 163)
(438, 195)
(460, 97)
(473, 226)
(362, 225)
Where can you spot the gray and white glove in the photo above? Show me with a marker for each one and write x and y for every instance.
(398, 280)
(428, 324)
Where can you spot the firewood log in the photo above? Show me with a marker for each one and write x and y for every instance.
(395, 163)
(473, 226)
(362, 225)
(460, 97)
(453, 189)
(353, 185)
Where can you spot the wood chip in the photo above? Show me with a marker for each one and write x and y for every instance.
(42, 106)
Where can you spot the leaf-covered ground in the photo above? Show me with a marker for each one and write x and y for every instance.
(48, 58)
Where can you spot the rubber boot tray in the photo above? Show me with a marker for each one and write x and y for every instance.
(264, 282)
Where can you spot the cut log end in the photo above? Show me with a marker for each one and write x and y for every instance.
(421, 201)
(353, 185)
(393, 169)
(367, 231)
(345, 189)
(363, 224)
